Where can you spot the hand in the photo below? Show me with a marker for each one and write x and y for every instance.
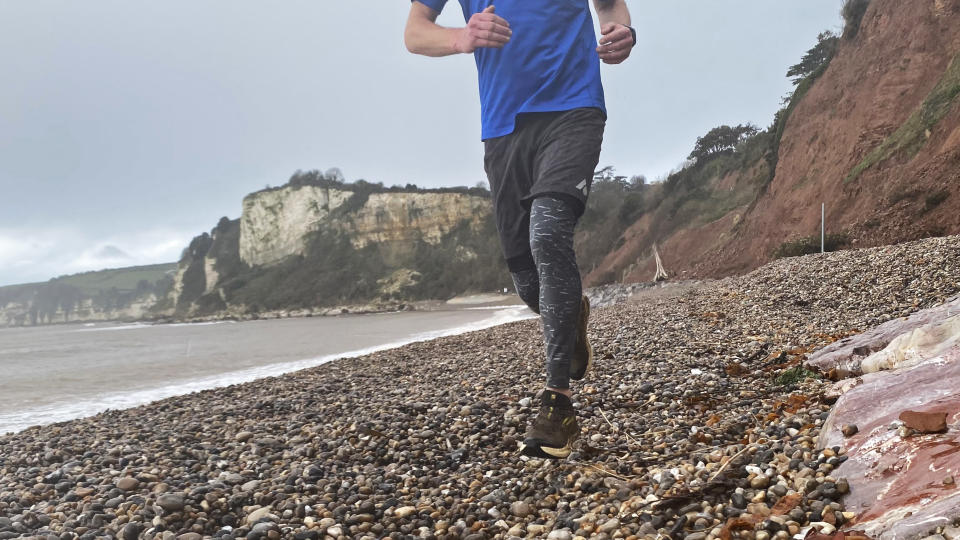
(484, 29)
(616, 43)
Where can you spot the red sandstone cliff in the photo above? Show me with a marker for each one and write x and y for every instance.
(876, 137)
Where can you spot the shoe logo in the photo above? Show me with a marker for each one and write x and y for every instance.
(582, 186)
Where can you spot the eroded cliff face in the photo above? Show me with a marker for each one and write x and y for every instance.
(315, 246)
(402, 218)
(276, 223)
(876, 138)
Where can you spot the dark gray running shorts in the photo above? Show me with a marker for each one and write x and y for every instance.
(552, 153)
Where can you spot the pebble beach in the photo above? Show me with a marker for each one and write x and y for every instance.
(697, 424)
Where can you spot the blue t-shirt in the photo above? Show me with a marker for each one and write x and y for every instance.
(550, 63)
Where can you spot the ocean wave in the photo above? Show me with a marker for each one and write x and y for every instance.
(140, 326)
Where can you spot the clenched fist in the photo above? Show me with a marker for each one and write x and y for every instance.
(616, 43)
(484, 29)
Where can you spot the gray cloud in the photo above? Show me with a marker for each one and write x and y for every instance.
(129, 116)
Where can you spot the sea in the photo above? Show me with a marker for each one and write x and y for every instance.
(55, 373)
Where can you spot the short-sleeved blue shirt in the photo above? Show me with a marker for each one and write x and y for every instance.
(550, 63)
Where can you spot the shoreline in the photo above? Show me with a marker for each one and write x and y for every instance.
(76, 409)
(335, 311)
(689, 428)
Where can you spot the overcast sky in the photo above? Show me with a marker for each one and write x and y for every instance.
(128, 127)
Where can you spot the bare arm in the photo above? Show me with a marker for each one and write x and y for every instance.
(616, 40)
(424, 36)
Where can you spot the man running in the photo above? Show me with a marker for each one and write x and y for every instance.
(542, 116)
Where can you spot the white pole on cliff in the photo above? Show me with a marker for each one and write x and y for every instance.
(823, 227)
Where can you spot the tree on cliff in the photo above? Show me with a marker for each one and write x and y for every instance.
(816, 58)
(721, 139)
(853, 12)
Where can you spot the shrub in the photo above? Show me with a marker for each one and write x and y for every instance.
(904, 193)
(935, 199)
(792, 376)
(853, 12)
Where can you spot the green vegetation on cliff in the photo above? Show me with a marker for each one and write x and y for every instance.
(910, 137)
(61, 298)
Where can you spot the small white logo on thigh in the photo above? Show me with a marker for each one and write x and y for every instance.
(582, 186)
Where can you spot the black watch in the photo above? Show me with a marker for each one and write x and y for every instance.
(633, 33)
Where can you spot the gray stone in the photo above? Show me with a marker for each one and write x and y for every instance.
(520, 509)
(258, 514)
(609, 526)
(170, 502)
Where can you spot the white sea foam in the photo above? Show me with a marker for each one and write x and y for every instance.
(491, 308)
(78, 408)
(141, 326)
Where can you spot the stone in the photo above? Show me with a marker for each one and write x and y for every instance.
(131, 531)
(609, 526)
(127, 483)
(874, 405)
(520, 509)
(171, 502)
(843, 486)
(925, 422)
(849, 430)
(190, 536)
(536, 529)
(560, 534)
(243, 436)
(951, 533)
(258, 514)
(846, 356)
(404, 512)
(250, 486)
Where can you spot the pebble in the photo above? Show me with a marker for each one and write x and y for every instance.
(520, 509)
(759, 482)
(405, 511)
(171, 502)
(386, 445)
(258, 514)
(609, 526)
(128, 484)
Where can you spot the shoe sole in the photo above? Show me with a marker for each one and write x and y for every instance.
(585, 316)
(533, 448)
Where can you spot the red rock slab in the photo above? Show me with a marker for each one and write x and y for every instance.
(925, 422)
(897, 487)
(844, 357)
